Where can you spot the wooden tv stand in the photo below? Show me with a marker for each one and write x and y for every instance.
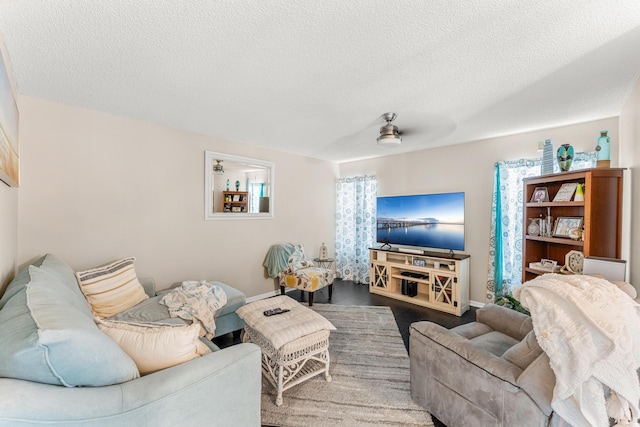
(442, 281)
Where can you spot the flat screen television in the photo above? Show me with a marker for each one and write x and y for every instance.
(422, 220)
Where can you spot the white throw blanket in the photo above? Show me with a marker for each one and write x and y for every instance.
(196, 301)
(590, 330)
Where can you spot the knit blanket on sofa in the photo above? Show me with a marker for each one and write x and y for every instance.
(196, 301)
(590, 330)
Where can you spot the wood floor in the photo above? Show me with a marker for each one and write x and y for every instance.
(349, 293)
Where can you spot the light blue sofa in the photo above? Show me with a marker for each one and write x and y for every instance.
(48, 338)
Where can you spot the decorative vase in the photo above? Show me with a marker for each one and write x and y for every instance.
(227, 185)
(547, 157)
(534, 227)
(603, 150)
(579, 197)
(324, 254)
(565, 157)
(237, 185)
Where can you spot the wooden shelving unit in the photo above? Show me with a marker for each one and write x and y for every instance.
(442, 281)
(601, 211)
(235, 201)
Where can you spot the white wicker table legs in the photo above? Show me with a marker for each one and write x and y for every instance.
(294, 362)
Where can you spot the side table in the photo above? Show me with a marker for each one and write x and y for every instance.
(324, 262)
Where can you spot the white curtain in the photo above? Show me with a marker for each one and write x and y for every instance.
(355, 226)
(505, 243)
(256, 190)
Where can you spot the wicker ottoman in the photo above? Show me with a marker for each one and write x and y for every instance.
(295, 345)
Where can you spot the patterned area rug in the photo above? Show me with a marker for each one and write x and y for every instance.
(370, 377)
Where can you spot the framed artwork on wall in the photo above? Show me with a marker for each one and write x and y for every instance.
(9, 159)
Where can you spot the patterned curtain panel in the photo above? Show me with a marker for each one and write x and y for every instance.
(505, 243)
(355, 226)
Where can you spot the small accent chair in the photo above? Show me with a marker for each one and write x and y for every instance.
(298, 272)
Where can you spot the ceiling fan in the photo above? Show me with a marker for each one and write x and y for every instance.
(389, 134)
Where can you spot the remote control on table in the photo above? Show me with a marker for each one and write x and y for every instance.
(275, 311)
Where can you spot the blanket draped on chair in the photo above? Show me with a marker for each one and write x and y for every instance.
(277, 259)
(590, 330)
(196, 301)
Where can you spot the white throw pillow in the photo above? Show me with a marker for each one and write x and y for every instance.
(154, 346)
(112, 288)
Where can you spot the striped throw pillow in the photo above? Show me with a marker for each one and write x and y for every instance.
(112, 288)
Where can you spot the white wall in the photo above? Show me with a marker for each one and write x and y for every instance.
(470, 168)
(630, 158)
(96, 187)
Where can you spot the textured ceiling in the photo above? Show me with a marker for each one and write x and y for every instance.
(313, 78)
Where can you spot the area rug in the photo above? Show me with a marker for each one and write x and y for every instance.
(370, 377)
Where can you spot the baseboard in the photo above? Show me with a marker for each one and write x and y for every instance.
(476, 304)
(268, 295)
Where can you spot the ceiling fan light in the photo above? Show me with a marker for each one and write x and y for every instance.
(389, 135)
(389, 140)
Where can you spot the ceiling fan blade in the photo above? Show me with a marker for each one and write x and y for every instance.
(412, 130)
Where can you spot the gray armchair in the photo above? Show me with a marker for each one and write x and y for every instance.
(487, 373)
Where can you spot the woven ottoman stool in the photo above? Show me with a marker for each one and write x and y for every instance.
(295, 344)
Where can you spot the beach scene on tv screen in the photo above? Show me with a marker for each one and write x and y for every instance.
(423, 220)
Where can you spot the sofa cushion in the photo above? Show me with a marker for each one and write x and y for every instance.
(471, 330)
(112, 288)
(494, 342)
(47, 337)
(505, 320)
(66, 276)
(524, 352)
(19, 282)
(538, 381)
(149, 310)
(155, 346)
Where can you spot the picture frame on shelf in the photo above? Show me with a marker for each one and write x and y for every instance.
(565, 193)
(564, 225)
(540, 194)
(236, 197)
(548, 264)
